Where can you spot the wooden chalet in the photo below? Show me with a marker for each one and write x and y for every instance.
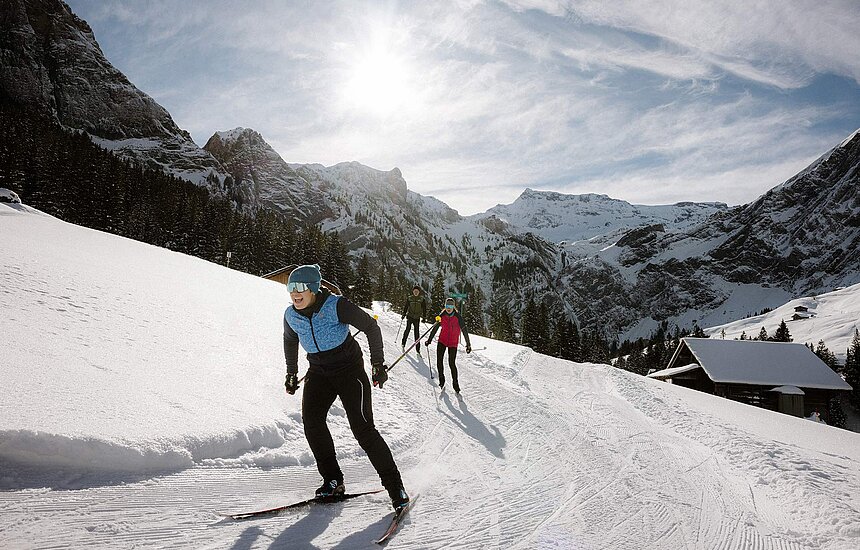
(283, 275)
(779, 376)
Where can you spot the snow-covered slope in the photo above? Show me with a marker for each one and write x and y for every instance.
(142, 392)
(558, 217)
(832, 317)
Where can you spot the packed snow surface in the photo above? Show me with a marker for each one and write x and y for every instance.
(142, 393)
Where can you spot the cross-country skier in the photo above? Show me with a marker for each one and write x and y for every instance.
(414, 310)
(452, 325)
(320, 321)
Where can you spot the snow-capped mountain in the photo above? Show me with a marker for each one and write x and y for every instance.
(562, 218)
(797, 239)
(374, 212)
(53, 65)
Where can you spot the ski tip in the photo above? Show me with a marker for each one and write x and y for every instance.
(395, 521)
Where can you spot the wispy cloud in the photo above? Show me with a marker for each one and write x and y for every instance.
(659, 103)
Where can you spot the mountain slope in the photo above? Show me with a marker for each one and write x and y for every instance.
(139, 402)
(374, 213)
(798, 238)
(53, 64)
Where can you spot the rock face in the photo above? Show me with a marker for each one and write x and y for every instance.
(52, 63)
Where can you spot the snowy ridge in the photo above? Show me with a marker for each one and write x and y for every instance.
(122, 356)
(832, 317)
(562, 218)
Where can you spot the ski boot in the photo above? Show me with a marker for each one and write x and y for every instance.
(399, 498)
(331, 488)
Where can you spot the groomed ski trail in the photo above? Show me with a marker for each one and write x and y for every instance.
(535, 453)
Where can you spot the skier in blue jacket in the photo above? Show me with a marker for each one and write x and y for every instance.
(320, 321)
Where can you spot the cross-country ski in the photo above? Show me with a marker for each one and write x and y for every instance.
(396, 519)
(307, 502)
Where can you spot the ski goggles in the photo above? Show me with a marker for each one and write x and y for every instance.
(297, 287)
(449, 306)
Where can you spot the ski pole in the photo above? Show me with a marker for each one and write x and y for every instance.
(438, 320)
(375, 317)
(398, 328)
(429, 361)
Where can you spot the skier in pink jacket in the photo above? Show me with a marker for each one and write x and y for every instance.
(452, 325)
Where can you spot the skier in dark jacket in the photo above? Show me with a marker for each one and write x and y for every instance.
(320, 321)
(452, 325)
(414, 310)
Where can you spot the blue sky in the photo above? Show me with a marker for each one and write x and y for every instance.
(651, 102)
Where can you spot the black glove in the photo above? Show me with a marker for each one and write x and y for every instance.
(291, 383)
(468, 348)
(380, 375)
(427, 343)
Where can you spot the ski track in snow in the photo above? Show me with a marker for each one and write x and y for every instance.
(536, 453)
(558, 459)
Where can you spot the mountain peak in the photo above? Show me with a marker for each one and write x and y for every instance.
(531, 194)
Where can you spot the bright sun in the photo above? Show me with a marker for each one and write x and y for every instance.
(379, 84)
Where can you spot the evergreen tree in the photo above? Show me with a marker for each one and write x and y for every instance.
(438, 295)
(827, 356)
(636, 362)
(361, 294)
(697, 331)
(472, 310)
(782, 334)
(852, 370)
(574, 349)
(542, 329)
(835, 414)
(762, 335)
(501, 320)
(380, 289)
(476, 305)
(529, 325)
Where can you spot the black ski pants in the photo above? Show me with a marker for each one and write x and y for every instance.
(414, 324)
(452, 364)
(353, 388)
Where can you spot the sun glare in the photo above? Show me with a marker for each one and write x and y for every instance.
(379, 84)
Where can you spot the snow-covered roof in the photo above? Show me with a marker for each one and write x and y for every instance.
(762, 363)
(788, 390)
(666, 373)
(7, 195)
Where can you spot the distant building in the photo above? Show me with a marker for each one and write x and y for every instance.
(801, 309)
(779, 376)
(282, 276)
